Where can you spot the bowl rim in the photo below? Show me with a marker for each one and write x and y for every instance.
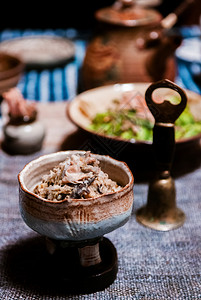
(116, 138)
(34, 62)
(14, 71)
(151, 17)
(70, 200)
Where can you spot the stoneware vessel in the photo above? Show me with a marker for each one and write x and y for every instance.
(128, 45)
(23, 138)
(75, 219)
(84, 260)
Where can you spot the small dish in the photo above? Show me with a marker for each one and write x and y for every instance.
(40, 51)
(75, 219)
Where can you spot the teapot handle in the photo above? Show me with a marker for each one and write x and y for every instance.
(156, 64)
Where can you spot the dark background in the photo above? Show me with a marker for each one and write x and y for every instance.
(77, 14)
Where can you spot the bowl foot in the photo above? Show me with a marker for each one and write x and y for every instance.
(80, 279)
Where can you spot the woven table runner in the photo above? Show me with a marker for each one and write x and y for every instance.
(152, 265)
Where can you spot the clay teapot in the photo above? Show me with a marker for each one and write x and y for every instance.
(130, 44)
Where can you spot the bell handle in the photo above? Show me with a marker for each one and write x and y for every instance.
(165, 115)
(165, 112)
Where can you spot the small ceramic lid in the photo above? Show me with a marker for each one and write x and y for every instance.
(127, 13)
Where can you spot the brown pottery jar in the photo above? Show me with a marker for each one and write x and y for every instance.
(129, 45)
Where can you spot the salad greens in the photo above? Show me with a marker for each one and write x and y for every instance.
(127, 124)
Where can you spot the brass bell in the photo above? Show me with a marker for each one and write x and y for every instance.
(161, 212)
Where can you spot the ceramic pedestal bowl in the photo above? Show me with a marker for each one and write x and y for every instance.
(79, 223)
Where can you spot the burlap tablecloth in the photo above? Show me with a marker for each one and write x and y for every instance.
(152, 265)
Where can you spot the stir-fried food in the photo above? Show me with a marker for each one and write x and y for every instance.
(78, 177)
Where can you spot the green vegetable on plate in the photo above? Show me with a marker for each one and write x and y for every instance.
(128, 124)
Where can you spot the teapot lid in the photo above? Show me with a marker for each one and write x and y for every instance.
(127, 13)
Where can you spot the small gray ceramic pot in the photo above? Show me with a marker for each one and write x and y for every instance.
(24, 138)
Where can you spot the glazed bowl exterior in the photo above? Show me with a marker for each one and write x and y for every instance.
(11, 69)
(75, 219)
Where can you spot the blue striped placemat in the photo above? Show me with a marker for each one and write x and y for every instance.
(61, 83)
(58, 84)
(185, 73)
